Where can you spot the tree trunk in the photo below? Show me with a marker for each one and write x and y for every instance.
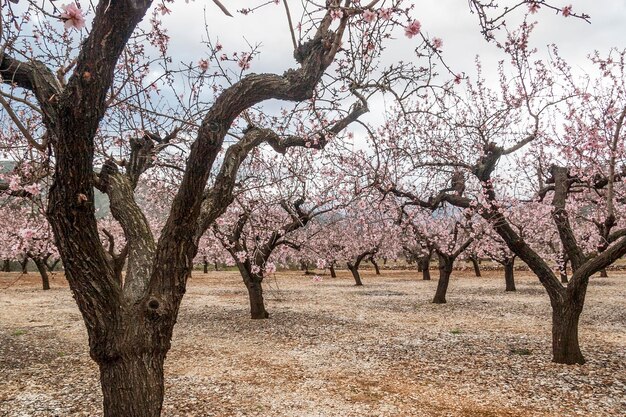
(445, 269)
(509, 277)
(206, 266)
(565, 347)
(43, 271)
(333, 274)
(375, 266)
(257, 305)
(132, 385)
(216, 266)
(563, 272)
(6, 267)
(476, 265)
(24, 265)
(355, 273)
(603, 273)
(424, 264)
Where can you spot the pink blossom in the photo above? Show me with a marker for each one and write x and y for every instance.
(437, 43)
(336, 14)
(321, 264)
(413, 29)
(316, 278)
(73, 16)
(241, 256)
(369, 16)
(32, 189)
(567, 10)
(255, 269)
(533, 8)
(385, 14)
(244, 61)
(203, 64)
(270, 268)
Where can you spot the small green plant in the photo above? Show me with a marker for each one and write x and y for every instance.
(19, 332)
(456, 331)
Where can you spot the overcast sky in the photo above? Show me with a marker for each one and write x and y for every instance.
(449, 20)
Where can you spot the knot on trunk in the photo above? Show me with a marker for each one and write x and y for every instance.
(155, 308)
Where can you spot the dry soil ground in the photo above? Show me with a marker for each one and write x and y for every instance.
(331, 349)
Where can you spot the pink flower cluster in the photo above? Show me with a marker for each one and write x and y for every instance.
(413, 29)
(73, 16)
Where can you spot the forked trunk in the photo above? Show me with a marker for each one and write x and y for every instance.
(509, 277)
(565, 346)
(355, 274)
(43, 271)
(132, 385)
(257, 305)
(445, 269)
(476, 265)
(333, 274)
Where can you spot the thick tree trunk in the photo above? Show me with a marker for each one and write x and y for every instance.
(603, 273)
(445, 269)
(257, 305)
(132, 385)
(43, 271)
(376, 268)
(565, 346)
(509, 275)
(476, 265)
(355, 273)
(424, 264)
(333, 274)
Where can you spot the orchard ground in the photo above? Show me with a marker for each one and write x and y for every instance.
(332, 349)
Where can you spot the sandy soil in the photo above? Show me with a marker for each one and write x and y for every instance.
(331, 349)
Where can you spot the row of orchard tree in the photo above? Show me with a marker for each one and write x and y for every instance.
(194, 166)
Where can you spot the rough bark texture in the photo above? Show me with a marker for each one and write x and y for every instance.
(424, 265)
(565, 346)
(132, 384)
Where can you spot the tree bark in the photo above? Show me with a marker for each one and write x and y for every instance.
(565, 346)
(603, 273)
(43, 271)
(257, 304)
(509, 274)
(205, 265)
(376, 268)
(216, 266)
(424, 265)
(132, 384)
(445, 270)
(355, 274)
(476, 265)
(333, 274)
